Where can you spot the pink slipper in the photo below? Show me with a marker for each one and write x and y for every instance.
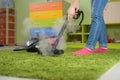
(83, 51)
(100, 50)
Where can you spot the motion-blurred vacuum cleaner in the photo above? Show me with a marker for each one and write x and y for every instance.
(32, 45)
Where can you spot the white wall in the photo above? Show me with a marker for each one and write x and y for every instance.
(112, 12)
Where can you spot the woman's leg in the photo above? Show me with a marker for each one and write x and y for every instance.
(102, 41)
(103, 37)
(98, 29)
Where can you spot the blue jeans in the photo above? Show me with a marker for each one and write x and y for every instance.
(98, 28)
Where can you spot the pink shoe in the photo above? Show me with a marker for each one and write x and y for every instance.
(83, 51)
(100, 50)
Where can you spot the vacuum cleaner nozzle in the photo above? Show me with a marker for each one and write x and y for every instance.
(56, 51)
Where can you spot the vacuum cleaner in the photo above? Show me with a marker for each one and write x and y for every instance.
(33, 45)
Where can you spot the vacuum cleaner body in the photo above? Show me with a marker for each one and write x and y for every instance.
(31, 45)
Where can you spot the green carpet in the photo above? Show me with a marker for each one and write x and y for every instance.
(63, 67)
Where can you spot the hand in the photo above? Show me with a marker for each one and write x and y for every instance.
(70, 13)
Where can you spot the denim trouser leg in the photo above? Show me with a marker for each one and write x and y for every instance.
(102, 38)
(98, 28)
